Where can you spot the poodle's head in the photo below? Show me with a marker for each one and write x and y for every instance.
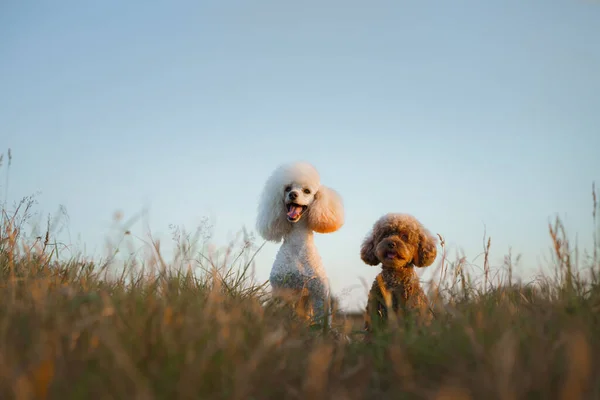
(293, 194)
(399, 241)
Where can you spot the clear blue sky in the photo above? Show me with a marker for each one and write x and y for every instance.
(463, 113)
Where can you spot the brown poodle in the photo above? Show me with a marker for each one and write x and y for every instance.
(399, 242)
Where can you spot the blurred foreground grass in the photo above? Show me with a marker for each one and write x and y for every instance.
(68, 331)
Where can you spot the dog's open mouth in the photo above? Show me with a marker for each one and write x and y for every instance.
(392, 255)
(295, 211)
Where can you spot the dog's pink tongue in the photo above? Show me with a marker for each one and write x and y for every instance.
(294, 212)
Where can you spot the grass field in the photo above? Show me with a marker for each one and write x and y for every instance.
(160, 332)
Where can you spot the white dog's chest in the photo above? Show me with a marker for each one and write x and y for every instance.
(302, 258)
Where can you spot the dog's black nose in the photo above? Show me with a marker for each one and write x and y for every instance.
(293, 195)
(392, 245)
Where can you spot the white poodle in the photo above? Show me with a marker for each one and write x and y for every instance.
(293, 205)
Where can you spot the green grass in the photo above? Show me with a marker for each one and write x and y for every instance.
(155, 332)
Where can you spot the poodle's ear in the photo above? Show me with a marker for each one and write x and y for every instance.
(367, 251)
(426, 251)
(272, 223)
(326, 213)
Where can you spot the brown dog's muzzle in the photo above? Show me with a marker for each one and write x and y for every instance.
(393, 250)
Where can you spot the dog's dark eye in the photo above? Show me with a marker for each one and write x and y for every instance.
(307, 191)
(288, 188)
(404, 237)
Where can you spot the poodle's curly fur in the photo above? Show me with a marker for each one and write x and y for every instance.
(399, 242)
(293, 205)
